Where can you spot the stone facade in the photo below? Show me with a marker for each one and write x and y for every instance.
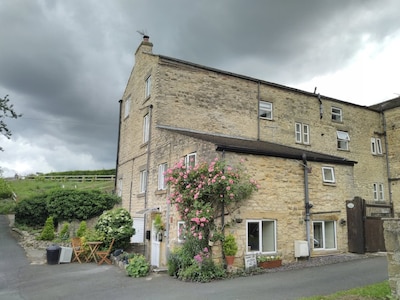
(187, 103)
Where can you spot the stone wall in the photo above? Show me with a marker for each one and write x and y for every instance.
(392, 242)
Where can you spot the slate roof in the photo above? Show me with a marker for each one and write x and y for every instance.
(249, 146)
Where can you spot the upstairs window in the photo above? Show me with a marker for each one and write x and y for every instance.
(142, 181)
(376, 146)
(162, 169)
(265, 110)
(146, 128)
(127, 107)
(378, 192)
(190, 160)
(343, 140)
(302, 133)
(328, 174)
(147, 87)
(337, 115)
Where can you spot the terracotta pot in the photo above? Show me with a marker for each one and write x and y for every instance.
(229, 260)
(270, 264)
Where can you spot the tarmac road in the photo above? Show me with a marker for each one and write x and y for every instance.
(21, 280)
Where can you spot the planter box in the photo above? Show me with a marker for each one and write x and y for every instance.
(270, 264)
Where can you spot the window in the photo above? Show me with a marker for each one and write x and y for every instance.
(343, 139)
(265, 110)
(142, 182)
(302, 132)
(181, 231)
(127, 107)
(119, 187)
(162, 169)
(261, 236)
(378, 192)
(190, 160)
(328, 174)
(324, 234)
(376, 146)
(146, 128)
(336, 114)
(148, 87)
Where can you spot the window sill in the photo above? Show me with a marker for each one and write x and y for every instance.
(141, 195)
(161, 192)
(329, 183)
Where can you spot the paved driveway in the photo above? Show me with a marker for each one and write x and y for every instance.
(21, 280)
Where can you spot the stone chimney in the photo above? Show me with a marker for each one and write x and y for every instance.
(145, 45)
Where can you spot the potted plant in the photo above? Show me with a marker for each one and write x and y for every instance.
(269, 261)
(230, 248)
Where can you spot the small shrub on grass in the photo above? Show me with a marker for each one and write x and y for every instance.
(64, 233)
(82, 229)
(48, 230)
(138, 266)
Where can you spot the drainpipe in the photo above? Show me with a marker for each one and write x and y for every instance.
(258, 111)
(307, 204)
(119, 137)
(147, 178)
(387, 156)
(321, 109)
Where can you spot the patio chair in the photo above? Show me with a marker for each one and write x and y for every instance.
(77, 248)
(103, 255)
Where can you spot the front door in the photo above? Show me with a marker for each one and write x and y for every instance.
(155, 247)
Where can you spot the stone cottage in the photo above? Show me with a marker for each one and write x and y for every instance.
(311, 155)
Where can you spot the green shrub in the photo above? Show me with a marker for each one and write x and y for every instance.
(64, 233)
(48, 230)
(31, 211)
(7, 206)
(69, 204)
(138, 266)
(5, 190)
(82, 229)
(117, 224)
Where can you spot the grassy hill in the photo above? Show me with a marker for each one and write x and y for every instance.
(38, 184)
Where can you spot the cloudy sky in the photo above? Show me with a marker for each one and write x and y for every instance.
(65, 64)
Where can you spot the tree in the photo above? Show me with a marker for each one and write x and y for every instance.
(7, 111)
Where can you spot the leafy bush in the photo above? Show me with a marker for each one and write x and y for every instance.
(138, 266)
(64, 233)
(82, 229)
(7, 206)
(32, 211)
(64, 204)
(48, 230)
(117, 224)
(5, 190)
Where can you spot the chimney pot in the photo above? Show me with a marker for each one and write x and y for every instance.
(146, 38)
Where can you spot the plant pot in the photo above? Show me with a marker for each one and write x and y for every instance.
(270, 264)
(229, 260)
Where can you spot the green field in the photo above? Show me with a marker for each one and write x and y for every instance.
(25, 188)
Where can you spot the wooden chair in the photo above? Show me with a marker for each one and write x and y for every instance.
(103, 255)
(78, 249)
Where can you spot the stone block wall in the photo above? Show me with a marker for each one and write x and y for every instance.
(392, 243)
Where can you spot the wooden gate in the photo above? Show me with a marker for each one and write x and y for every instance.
(365, 225)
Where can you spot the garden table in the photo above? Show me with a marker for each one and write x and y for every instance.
(93, 246)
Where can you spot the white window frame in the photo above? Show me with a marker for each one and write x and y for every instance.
(147, 90)
(325, 177)
(328, 242)
(119, 187)
(142, 181)
(343, 140)
(146, 128)
(127, 107)
(180, 232)
(336, 114)
(265, 110)
(266, 244)
(378, 191)
(376, 146)
(302, 133)
(162, 169)
(190, 160)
